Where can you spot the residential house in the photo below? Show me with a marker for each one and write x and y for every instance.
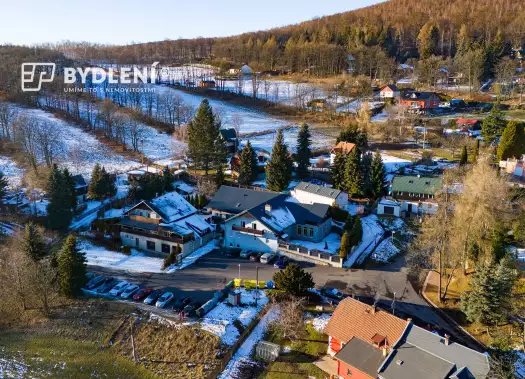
(514, 166)
(308, 193)
(230, 201)
(420, 100)
(162, 224)
(230, 138)
(342, 147)
(263, 226)
(423, 354)
(416, 194)
(360, 337)
(468, 124)
(370, 343)
(262, 157)
(243, 70)
(81, 189)
(389, 92)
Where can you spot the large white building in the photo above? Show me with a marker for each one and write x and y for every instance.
(308, 193)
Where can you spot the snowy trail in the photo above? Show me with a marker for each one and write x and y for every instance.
(372, 233)
(242, 356)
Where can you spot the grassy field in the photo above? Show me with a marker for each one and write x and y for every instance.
(298, 362)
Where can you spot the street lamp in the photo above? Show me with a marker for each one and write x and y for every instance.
(239, 271)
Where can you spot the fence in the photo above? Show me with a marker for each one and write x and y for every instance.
(301, 253)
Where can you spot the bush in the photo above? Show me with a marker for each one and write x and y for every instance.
(169, 260)
(126, 250)
(338, 214)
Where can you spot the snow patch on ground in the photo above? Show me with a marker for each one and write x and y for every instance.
(11, 171)
(191, 258)
(219, 320)
(242, 356)
(385, 251)
(372, 234)
(392, 164)
(318, 320)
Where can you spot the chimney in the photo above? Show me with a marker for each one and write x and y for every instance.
(447, 340)
(409, 320)
(373, 309)
(385, 351)
(268, 209)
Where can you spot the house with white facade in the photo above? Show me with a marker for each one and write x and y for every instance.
(416, 194)
(262, 227)
(389, 92)
(163, 223)
(308, 193)
(230, 201)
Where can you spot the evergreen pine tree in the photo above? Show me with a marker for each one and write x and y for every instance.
(94, 183)
(512, 144)
(59, 212)
(464, 156)
(302, 157)
(107, 188)
(475, 153)
(498, 244)
(33, 244)
(378, 176)
(71, 268)
(4, 185)
(366, 172)
(337, 171)
(70, 187)
(353, 175)
(203, 133)
(349, 223)
(351, 133)
(279, 168)
(493, 125)
(248, 169)
(202, 200)
(346, 245)
(428, 40)
(357, 232)
(293, 280)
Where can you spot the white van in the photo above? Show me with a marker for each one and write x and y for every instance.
(267, 258)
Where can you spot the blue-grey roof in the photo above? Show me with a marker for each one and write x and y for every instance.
(363, 356)
(236, 200)
(425, 354)
(331, 193)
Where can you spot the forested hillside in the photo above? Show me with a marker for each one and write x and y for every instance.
(397, 30)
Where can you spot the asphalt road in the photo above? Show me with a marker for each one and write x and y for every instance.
(213, 271)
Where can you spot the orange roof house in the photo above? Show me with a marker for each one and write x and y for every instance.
(343, 147)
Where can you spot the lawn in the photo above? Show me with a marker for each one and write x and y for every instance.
(297, 360)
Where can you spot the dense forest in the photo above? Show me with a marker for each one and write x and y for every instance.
(393, 31)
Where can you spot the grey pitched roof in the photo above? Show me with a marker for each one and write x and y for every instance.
(236, 200)
(424, 354)
(361, 355)
(415, 95)
(303, 214)
(228, 134)
(318, 190)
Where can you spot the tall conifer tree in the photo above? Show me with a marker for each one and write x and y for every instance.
(304, 142)
(279, 168)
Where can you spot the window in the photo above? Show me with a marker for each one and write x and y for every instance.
(238, 245)
(243, 224)
(349, 372)
(311, 232)
(305, 231)
(150, 245)
(165, 248)
(298, 230)
(231, 244)
(254, 226)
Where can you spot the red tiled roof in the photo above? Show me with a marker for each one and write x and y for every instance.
(467, 121)
(353, 318)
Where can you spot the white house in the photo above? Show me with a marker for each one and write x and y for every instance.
(416, 194)
(389, 207)
(389, 92)
(263, 226)
(308, 193)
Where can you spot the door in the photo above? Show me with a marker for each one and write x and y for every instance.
(409, 208)
(136, 242)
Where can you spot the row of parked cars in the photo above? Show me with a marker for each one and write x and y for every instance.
(185, 306)
(254, 256)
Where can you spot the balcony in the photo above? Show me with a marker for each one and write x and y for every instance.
(254, 232)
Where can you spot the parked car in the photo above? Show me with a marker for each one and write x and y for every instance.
(142, 294)
(164, 299)
(153, 297)
(129, 291)
(332, 293)
(95, 282)
(191, 308)
(178, 306)
(108, 284)
(118, 289)
(232, 253)
(255, 256)
(282, 262)
(267, 258)
(245, 253)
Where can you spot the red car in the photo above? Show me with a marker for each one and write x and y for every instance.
(142, 294)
